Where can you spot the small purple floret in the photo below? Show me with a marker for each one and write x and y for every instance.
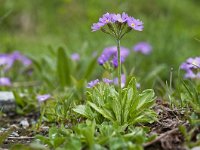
(93, 83)
(97, 26)
(135, 24)
(42, 98)
(143, 47)
(106, 18)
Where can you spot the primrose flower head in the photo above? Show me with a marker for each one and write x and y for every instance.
(111, 53)
(143, 47)
(192, 68)
(117, 25)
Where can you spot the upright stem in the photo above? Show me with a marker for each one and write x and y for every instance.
(119, 70)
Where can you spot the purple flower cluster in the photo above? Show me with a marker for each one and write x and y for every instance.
(7, 60)
(192, 68)
(107, 18)
(108, 81)
(111, 53)
(115, 81)
(143, 47)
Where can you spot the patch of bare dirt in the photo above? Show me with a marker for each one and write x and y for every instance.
(167, 128)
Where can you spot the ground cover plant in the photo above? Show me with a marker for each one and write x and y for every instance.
(134, 85)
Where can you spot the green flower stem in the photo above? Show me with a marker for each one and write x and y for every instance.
(119, 70)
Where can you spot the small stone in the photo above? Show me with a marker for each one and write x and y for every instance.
(196, 148)
(24, 123)
(14, 134)
(7, 101)
(2, 130)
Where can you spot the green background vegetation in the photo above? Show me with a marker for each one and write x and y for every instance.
(171, 26)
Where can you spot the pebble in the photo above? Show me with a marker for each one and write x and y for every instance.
(196, 148)
(7, 101)
(24, 123)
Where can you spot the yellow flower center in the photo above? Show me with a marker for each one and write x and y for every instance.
(107, 21)
(132, 24)
(194, 63)
(120, 20)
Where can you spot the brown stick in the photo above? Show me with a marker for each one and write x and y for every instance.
(20, 138)
(162, 136)
(26, 84)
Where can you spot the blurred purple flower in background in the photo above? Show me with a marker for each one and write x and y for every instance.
(75, 56)
(7, 60)
(111, 53)
(42, 98)
(16, 55)
(192, 68)
(93, 83)
(143, 47)
(115, 81)
(94, 54)
(138, 86)
(123, 80)
(4, 81)
(191, 63)
(105, 80)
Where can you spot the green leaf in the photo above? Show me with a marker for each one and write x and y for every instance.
(129, 96)
(155, 72)
(106, 113)
(85, 111)
(18, 99)
(73, 143)
(57, 141)
(90, 68)
(63, 68)
(44, 140)
(88, 132)
(5, 134)
(146, 98)
(117, 109)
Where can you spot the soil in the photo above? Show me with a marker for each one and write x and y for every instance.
(167, 128)
(21, 133)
